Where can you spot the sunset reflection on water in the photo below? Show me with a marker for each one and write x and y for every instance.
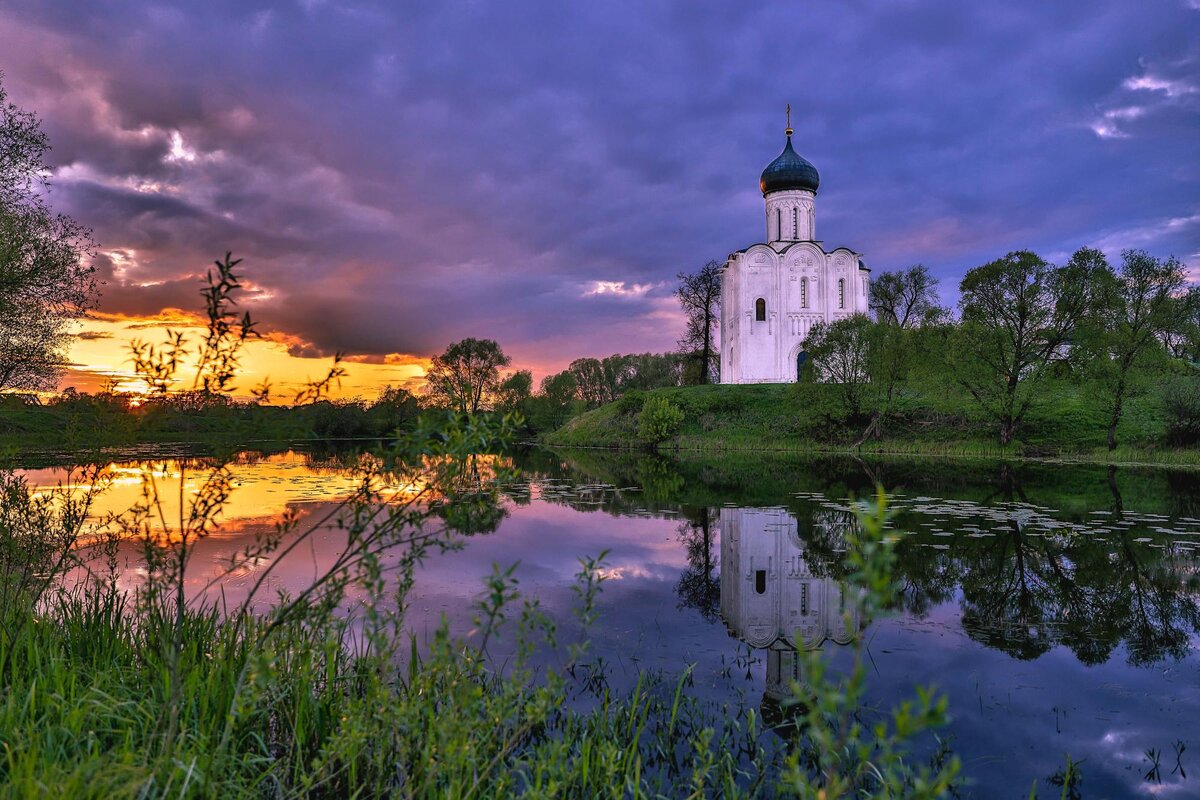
(267, 491)
(309, 493)
(265, 487)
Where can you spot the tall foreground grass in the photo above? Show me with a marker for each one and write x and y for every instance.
(87, 712)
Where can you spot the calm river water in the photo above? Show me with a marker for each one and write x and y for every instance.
(1058, 606)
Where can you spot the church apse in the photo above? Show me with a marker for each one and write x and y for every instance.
(770, 597)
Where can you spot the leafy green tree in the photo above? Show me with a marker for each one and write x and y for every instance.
(466, 376)
(514, 392)
(1184, 341)
(868, 364)
(1019, 314)
(555, 402)
(699, 294)
(1136, 309)
(651, 371)
(892, 350)
(905, 298)
(1180, 399)
(599, 381)
(590, 384)
(395, 408)
(839, 354)
(561, 388)
(46, 278)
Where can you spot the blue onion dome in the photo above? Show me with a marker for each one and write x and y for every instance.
(789, 171)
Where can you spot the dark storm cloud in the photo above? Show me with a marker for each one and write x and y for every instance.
(401, 175)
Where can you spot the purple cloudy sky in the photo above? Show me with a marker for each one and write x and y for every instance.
(399, 175)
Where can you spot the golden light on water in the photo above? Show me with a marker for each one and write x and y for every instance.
(264, 489)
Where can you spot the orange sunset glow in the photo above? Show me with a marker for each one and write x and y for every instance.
(100, 358)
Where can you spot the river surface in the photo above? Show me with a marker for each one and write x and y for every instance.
(1058, 606)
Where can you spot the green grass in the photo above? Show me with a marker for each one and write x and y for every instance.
(1067, 422)
(85, 707)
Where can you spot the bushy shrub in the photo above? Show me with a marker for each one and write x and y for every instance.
(660, 420)
(631, 402)
(1181, 405)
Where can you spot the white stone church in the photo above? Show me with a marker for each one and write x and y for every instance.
(774, 291)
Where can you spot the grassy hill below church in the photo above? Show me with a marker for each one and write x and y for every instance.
(1067, 422)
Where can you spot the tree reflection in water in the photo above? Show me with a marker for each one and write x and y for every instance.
(1091, 577)
(698, 587)
(475, 502)
(1027, 587)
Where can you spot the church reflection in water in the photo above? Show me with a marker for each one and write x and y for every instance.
(770, 597)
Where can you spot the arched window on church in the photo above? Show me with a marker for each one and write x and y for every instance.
(778, 224)
(804, 292)
(841, 292)
(795, 223)
(760, 310)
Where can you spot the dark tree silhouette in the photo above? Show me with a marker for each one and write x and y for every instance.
(905, 298)
(700, 295)
(467, 375)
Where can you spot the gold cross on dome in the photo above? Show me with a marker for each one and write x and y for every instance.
(788, 131)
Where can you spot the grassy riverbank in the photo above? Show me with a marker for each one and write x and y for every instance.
(1067, 423)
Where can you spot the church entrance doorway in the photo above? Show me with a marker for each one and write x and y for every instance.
(801, 357)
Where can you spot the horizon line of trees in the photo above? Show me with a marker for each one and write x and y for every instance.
(1021, 322)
